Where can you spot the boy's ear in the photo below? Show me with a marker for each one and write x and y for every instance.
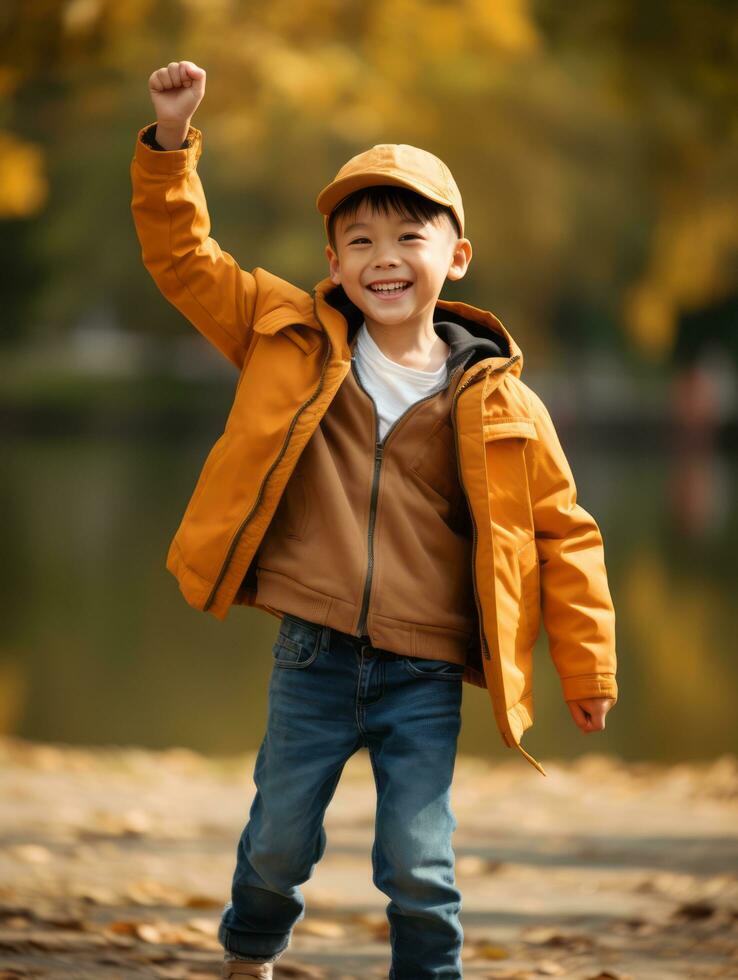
(333, 265)
(462, 256)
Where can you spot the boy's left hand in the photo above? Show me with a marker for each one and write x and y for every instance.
(589, 713)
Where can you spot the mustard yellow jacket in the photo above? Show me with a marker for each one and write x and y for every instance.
(537, 554)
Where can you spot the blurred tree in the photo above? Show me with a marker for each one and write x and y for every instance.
(671, 66)
(595, 146)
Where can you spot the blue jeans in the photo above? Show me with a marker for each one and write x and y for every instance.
(330, 694)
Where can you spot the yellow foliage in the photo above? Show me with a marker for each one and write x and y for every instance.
(693, 236)
(547, 119)
(24, 186)
(650, 319)
(508, 24)
(78, 15)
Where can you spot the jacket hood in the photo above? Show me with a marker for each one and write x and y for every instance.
(472, 334)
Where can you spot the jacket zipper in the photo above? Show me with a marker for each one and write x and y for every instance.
(274, 465)
(470, 381)
(378, 457)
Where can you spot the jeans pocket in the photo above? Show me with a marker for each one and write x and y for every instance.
(297, 643)
(444, 670)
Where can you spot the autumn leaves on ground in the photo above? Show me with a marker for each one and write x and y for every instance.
(116, 862)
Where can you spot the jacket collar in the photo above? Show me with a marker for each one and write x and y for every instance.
(472, 334)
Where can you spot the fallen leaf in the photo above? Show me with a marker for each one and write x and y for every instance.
(149, 891)
(470, 864)
(489, 951)
(694, 910)
(149, 932)
(202, 902)
(32, 853)
(122, 927)
(207, 926)
(546, 936)
(549, 968)
(322, 927)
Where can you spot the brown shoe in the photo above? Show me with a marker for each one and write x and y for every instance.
(242, 968)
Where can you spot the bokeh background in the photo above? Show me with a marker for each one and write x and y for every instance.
(596, 148)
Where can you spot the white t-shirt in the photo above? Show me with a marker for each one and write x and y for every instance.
(393, 386)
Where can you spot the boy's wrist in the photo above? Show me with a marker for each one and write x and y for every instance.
(171, 135)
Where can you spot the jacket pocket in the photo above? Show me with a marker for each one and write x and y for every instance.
(442, 670)
(305, 337)
(510, 426)
(297, 643)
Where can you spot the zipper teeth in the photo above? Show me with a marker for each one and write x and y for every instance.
(249, 516)
(378, 453)
(508, 362)
(378, 457)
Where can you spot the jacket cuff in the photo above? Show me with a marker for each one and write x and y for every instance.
(155, 159)
(589, 686)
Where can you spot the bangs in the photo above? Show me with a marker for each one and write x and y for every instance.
(388, 199)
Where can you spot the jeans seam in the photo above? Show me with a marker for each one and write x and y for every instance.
(375, 862)
(357, 707)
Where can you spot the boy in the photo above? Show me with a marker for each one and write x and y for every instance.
(389, 488)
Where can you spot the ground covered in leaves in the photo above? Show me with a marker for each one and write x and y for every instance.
(116, 863)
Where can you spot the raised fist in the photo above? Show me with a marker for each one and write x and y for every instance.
(177, 91)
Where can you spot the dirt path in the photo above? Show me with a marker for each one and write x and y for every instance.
(115, 863)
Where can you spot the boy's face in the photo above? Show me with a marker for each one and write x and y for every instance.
(374, 247)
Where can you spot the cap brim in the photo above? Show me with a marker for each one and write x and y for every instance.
(334, 193)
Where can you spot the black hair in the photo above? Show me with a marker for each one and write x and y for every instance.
(390, 197)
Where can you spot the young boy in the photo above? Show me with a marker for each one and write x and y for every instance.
(389, 488)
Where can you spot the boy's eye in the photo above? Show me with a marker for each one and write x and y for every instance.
(409, 234)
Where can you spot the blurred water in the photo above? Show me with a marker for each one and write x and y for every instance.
(98, 645)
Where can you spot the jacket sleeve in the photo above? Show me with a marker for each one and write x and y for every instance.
(173, 227)
(576, 604)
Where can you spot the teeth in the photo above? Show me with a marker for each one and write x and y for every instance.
(389, 288)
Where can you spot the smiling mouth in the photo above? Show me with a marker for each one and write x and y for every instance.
(389, 291)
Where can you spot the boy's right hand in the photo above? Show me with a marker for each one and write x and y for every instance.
(176, 92)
